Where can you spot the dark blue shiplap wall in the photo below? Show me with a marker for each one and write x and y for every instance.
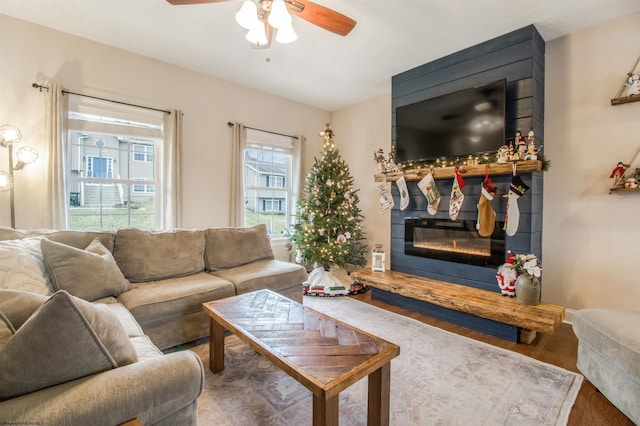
(517, 57)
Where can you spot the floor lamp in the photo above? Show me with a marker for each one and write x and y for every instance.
(9, 136)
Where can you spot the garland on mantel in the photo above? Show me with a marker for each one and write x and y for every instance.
(464, 161)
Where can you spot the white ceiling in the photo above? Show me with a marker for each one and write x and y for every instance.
(320, 69)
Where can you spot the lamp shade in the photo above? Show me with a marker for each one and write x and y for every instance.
(5, 181)
(247, 15)
(26, 155)
(9, 135)
(286, 34)
(279, 17)
(258, 34)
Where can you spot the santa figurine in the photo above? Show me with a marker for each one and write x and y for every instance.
(617, 174)
(506, 277)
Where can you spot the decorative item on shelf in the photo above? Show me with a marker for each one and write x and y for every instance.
(617, 174)
(506, 276)
(9, 136)
(519, 277)
(630, 89)
(378, 258)
(521, 147)
(386, 165)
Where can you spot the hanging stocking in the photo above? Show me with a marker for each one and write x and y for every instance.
(428, 187)
(457, 197)
(516, 189)
(486, 214)
(404, 194)
(384, 195)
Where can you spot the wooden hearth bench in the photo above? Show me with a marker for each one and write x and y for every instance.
(543, 318)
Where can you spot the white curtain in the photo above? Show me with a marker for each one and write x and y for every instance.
(238, 144)
(171, 202)
(56, 175)
(297, 145)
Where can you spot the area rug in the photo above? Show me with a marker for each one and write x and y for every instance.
(439, 378)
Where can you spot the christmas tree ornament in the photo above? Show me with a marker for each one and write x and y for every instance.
(404, 193)
(457, 197)
(486, 215)
(428, 187)
(516, 190)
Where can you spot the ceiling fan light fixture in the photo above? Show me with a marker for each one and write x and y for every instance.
(257, 34)
(286, 34)
(247, 15)
(279, 17)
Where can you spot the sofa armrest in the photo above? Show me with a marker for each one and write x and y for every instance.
(150, 390)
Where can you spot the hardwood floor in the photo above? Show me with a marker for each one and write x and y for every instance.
(561, 349)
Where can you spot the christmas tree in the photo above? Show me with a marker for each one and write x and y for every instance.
(329, 229)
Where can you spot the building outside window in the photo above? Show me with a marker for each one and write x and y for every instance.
(112, 175)
(267, 168)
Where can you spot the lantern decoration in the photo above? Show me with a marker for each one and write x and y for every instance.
(378, 259)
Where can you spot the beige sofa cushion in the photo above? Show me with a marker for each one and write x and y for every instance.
(81, 239)
(275, 275)
(67, 338)
(90, 274)
(159, 301)
(231, 247)
(149, 256)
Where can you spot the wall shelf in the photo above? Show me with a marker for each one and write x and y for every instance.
(526, 166)
(622, 189)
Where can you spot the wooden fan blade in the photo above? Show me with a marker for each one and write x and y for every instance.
(321, 16)
(180, 2)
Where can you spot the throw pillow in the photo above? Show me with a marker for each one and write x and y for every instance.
(22, 266)
(6, 330)
(230, 247)
(149, 256)
(19, 305)
(67, 338)
(89, 274)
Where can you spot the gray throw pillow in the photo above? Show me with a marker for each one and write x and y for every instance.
(67, 338)
(231, 247)
(18, 305)
(89, 274)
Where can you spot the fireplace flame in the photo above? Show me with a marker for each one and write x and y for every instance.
(453, 247)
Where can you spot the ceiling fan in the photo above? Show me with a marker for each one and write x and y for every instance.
(262, 12)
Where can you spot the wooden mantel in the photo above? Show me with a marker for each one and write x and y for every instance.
(525, 166)
(543, 318)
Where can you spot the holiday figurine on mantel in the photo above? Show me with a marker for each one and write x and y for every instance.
(617, 174)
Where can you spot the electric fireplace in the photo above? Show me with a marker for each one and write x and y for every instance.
(454, 241)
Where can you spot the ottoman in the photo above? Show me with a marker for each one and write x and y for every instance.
(609, 355)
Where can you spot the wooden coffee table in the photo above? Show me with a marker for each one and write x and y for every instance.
(322, 353)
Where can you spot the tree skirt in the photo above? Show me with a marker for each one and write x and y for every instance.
(332, 283)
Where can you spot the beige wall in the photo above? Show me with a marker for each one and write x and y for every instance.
(33, 53)
(591, 240)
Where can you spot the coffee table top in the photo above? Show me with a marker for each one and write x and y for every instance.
(322, 353)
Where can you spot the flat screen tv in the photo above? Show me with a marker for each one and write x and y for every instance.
(468, 122)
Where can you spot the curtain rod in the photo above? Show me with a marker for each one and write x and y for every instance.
(265, 131)
(39, 86)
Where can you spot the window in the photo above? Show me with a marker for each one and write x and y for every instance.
(143, 153)
(267, 166)
(112, 172)
(98, 167)
(275, 181)
(141, 188)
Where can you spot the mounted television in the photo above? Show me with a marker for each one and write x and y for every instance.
(468, 122)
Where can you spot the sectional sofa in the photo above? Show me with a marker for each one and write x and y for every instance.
(84, 317)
